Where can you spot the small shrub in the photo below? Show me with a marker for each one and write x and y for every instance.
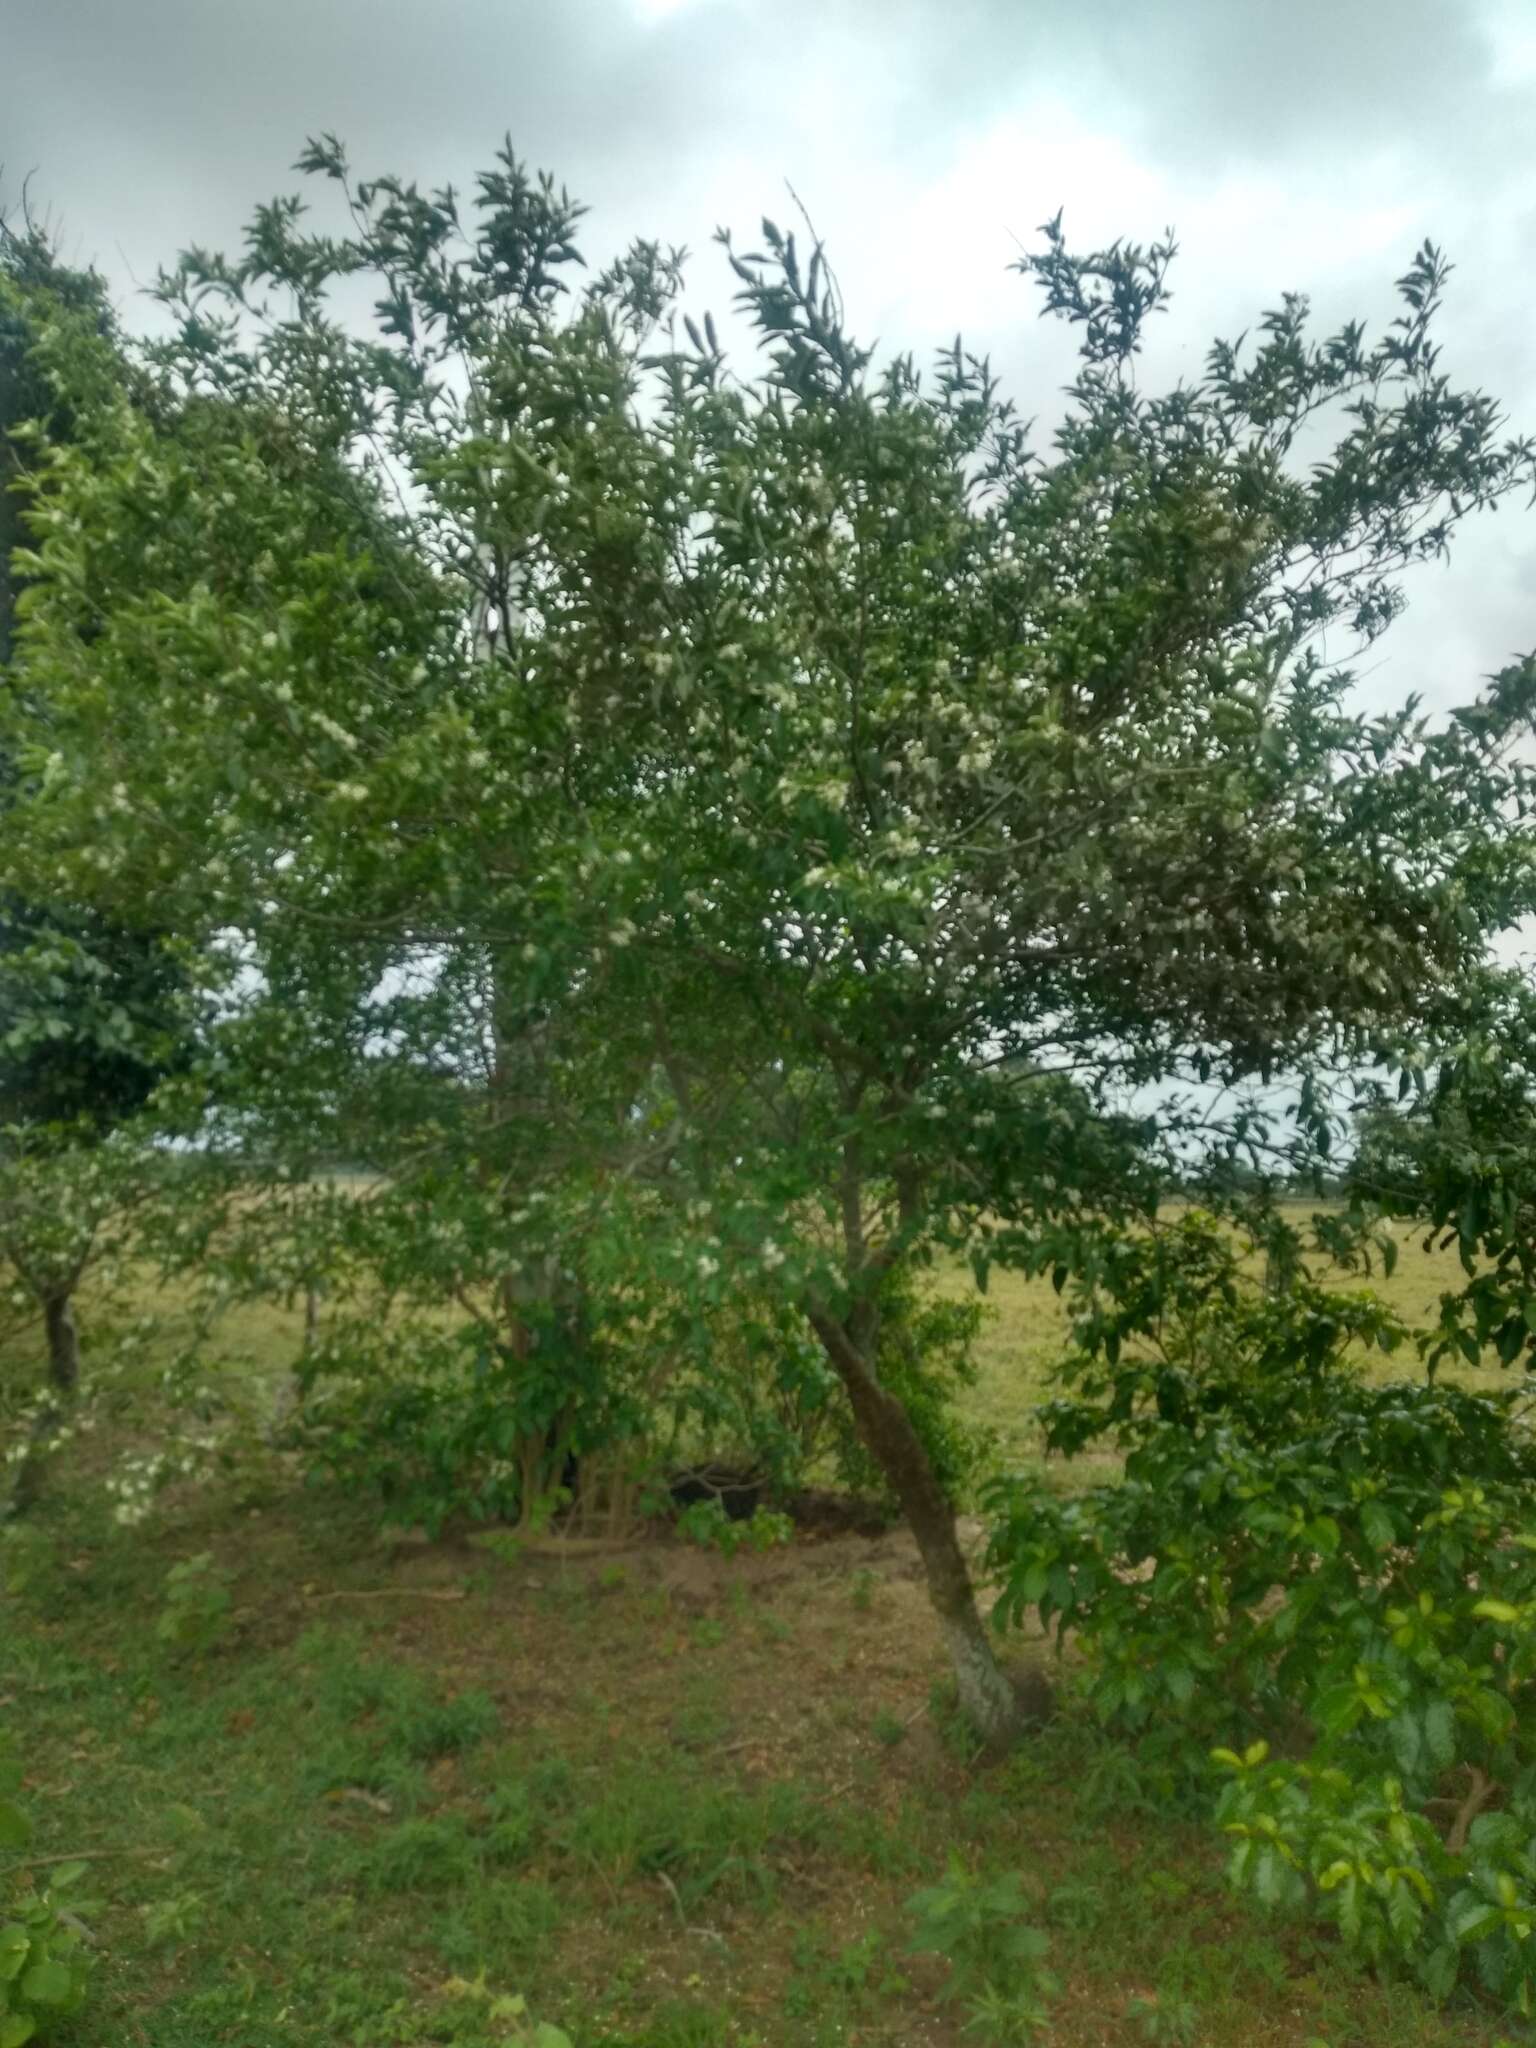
(863, 1590)
(996, 1958)
(1331, 1582)
(171, 1921)
(27, 1556)
(44, 1963)
(196, 1614)
(707, 1524)
(1173, 2021)
(499, 2015)
(507, 1546)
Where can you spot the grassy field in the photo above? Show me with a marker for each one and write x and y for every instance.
(1026, 1332)
(673, 1801)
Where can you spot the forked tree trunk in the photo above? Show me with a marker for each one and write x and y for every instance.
(986, 1696)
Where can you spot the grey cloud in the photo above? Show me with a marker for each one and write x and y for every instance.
(154, 123)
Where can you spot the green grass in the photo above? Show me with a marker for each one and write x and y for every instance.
(403, 1774)
(673, 1800)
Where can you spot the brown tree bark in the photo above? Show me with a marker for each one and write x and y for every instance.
(63, 1345)
(63, 1384)
(986, 1696)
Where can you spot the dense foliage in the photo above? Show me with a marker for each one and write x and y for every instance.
(97, 1008)
(1332, 1578)
(746, 833)
(44, 1953)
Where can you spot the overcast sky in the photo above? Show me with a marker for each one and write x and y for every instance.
(1293, 144)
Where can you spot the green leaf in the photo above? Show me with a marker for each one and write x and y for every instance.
(1404, 1733)
(48, 1982)
(1496, 1610)
(16, 2028)
(15, 1827)
(1438, 1970)
(1472, 1919)
(1440, 1733)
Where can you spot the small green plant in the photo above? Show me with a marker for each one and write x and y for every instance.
(707, 1524)
(996, 1958)
(44, 1964)
(830, 1978)
(26, 1556)
(507, 1546)
(1079, 1905)
(506, 2012)
(955, 1733)
(1296, 1550)
(196, 1615)
(863, 1589)
(170, 1922)
(44, 1972)
(888, 1729)
(1165, 2020)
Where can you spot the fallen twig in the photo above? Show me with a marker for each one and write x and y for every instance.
(393, 1593)
(75, 1856)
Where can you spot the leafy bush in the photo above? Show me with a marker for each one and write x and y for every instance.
(502, 2014)
(44, 1964)
(996, 1959)
(439, 1422)
(197, 1605)
(44, 1969)
(1337, 1582)
(707, 1523)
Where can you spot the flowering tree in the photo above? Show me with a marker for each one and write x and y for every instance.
(93, 1010)
(782, 821)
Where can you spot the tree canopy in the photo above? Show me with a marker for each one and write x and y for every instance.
(765, 826)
